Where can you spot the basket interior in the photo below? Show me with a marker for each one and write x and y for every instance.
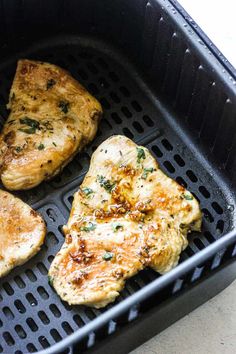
(32, 315)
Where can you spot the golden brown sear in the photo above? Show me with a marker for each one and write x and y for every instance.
(22, 232)
(52, 117)
(127, 215)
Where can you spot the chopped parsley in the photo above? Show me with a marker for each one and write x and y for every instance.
(41, 147)
(31, 123)
(116, 226)
(107, 256)
(105, 183)
(188, 197)
(28, 130)
(140, 154)
(90, 227)
(146, 171)
(50, 280)
(18, 149)
(87, 191)
(50, 83)
(54, 143)
(64, 106)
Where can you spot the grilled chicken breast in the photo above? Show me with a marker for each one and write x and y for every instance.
(127, 215)
(22, 232)
(52, 117)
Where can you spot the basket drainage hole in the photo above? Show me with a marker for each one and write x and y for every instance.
(157, 151)
(148, 121)
(7, 287)
(136, 106)
(55, 335)
(204, 192)
(8, 338)
(51, 214)
(30, 275)
(78, 320)
(191, 176)
(116, 118)
(20, 283)
(209, 237)
(128, 133)
(41, 267)
(199, 243)
(167, 145)
(8, 313)
(126, 112)
(44, 342)
(32, 325)
(67, 328)
(115, 98)
(31, 348)
(43, 293)
(170, 168)
(52, 239)
(137, 126)
(220, 226)
(43, 317)
(31, 299)
(217, 208)
(179, 160)
(181, 181)
(19, 306)
(20, 331)
(125, 91)
(55, 310)
(207, 215)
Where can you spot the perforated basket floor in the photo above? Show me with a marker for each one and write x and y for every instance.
(32, 315)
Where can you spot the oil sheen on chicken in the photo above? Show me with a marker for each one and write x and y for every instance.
(127, 215)
(22, 232)
(52, 117)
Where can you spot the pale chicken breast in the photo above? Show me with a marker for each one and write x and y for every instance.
(127, 215)
(22, 232)
(51, 118)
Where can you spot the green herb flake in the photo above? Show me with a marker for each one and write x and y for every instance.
(50, 83)
(28, 130)
(64, 106)
(117, 226)
(50, 280)
(188, 197)
(87, 191)
(90, 227)
(106, 184)
(54, 143)
(107, 256)
(18, 149)
(31, 123)
(146, 171)
(41, 146)
(140, 154)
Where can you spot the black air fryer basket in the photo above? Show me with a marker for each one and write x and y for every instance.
(161, 84)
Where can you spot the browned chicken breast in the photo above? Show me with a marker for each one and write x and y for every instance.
(127, 215)
(22, 232)
(52, 117)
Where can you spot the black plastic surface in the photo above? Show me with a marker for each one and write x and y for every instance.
(158, 86)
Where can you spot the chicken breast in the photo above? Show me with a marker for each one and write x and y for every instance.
(127, 215)
(52, 117)
(22, 232)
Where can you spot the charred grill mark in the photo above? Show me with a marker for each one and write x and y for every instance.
(82, 256)
(9, 138)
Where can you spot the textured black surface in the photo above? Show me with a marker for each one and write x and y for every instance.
(32, 314)
(164, 89)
